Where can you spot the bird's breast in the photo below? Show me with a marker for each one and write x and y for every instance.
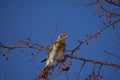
(56, 54)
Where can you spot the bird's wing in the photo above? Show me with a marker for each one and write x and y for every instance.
(44, 60)
(48, 54)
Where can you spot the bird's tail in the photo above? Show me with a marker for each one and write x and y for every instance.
(44, 73)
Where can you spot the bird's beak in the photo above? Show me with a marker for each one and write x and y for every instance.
(65, 35)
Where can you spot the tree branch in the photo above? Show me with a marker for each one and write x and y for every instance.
(23, 47)
(111, 2)
(88, 37)
(94, 61)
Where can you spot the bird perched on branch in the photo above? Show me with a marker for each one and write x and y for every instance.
(55, 55)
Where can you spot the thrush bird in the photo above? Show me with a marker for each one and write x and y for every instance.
(55, 55)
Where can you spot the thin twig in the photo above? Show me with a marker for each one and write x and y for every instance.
(98, 75)
(55, 31)
(111, 2)
(79, 72)
(111, 54)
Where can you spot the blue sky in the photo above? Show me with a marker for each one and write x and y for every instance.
(37, 20)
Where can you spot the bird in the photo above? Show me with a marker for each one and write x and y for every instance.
(55, 55)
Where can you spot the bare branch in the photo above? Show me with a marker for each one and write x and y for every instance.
(99, 70)
(111, 2)
(94, 61)
(88, 37)
(23, 47)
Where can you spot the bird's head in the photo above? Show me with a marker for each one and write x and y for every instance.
(62, 37)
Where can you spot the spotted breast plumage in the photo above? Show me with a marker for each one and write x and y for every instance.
(55, 55)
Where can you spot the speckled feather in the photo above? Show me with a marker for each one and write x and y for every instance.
(57, 51)
(54, 55)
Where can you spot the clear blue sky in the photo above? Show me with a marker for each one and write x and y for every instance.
(36, 19)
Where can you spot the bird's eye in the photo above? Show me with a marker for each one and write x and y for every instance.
(61, 36)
